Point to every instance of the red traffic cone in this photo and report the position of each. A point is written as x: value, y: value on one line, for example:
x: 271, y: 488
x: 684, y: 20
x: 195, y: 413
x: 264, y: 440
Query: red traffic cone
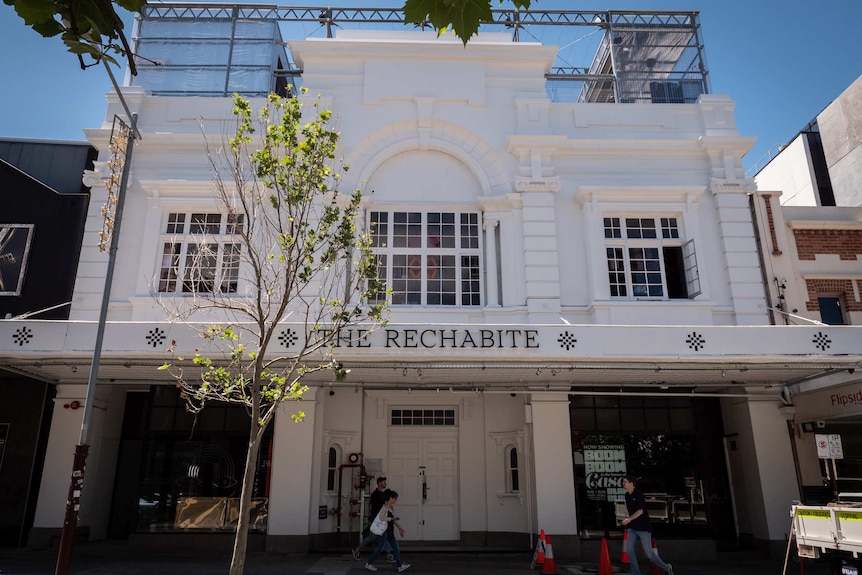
x: 539, y: 553
x: 625, y: 556
x: 605, y: 566
x: 549, y: 567
x: 653, y: 568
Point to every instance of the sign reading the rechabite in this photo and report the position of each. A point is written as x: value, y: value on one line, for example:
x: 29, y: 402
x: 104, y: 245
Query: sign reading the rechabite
x: 438, y: 338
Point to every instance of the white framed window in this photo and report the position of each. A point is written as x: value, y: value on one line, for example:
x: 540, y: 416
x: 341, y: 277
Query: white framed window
x: 333, y: 461
x: 200, y: 253
x: 647, y: 258
x: 513, y: 480
x: 428, y: 258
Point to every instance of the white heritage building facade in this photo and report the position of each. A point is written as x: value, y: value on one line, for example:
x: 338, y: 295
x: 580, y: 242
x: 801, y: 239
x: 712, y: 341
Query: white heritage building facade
x: 577, y: 295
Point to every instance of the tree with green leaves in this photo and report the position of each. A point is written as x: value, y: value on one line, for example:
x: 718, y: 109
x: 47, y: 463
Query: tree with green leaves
x: 300, y: 257
x: 92, y: 28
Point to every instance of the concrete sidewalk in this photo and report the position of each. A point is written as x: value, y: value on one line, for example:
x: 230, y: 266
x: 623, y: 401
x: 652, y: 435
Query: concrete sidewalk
x: 117, y: 558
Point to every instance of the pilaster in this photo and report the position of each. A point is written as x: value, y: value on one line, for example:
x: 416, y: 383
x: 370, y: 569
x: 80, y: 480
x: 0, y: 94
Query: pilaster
x: 541, y: 249
x: 742, y: 263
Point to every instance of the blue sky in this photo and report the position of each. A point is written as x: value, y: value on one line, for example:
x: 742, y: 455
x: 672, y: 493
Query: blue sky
x: 782, y: 61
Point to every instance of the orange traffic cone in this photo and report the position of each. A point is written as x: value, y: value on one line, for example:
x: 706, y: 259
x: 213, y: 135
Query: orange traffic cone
x: 625, y: 556
x: 549, y: 567
x: 653, y: 568
x: 605, y: 566
x: 539, y: 553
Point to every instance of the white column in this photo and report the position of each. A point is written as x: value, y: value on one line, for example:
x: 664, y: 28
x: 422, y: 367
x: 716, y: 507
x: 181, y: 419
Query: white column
x: 59, y: 454
x: 552, y: 460
x: 291, y: 480
x: 491, y: 288
x: 760, y: 459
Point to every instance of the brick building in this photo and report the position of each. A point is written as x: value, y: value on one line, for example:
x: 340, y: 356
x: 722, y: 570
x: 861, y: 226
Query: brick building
x: 811, y: 237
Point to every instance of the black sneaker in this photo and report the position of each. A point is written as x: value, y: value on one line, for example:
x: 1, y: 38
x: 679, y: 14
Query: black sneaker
x: 355, y: 552
x: 669, y: 569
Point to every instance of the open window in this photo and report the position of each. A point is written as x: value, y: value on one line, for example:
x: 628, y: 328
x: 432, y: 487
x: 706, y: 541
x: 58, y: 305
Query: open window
x: 648, y: 259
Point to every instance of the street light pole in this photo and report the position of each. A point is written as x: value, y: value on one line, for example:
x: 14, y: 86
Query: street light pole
x: 122, y: 144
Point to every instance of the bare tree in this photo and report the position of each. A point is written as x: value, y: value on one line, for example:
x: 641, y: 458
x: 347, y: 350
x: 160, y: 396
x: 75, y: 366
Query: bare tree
x: 293, y: 251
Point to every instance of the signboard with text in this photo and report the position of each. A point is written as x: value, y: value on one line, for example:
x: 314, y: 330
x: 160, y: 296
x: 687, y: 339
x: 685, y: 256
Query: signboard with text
x: 829, y: 446
x: 605, y: 467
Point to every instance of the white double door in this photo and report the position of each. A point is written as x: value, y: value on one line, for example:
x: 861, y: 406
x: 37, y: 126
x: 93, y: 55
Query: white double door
x: 423, y: 470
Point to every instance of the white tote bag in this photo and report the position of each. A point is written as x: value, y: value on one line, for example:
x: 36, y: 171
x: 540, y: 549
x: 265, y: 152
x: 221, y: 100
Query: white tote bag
x: 378, y: 526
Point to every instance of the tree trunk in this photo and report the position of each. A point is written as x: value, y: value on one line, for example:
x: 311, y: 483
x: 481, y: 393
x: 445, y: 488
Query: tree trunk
x: 237, y: 563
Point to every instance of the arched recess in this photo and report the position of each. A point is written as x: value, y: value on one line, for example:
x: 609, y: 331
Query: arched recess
x: 473, y: 152
x: 416, y: 177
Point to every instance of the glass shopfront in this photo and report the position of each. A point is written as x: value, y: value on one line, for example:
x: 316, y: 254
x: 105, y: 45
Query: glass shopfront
x: 673, y: 445
x: 181, y: 472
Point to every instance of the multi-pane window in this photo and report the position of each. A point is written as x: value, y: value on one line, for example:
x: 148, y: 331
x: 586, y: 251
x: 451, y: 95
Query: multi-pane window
x: 647, y: 259
x: 332, y: 463
x: 428, y: 258
x: 513, y: 484
x: 200, y: 253
x: 423, y: 417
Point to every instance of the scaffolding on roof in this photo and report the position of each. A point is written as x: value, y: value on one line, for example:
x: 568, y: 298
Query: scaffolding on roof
x: 202, y: 49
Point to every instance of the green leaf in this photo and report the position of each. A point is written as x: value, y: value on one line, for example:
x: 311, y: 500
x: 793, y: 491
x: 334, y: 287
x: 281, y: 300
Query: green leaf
x: 132, y: 5
x: 463, y: 16
x: 48, y: 28
x: 34, y: 11
x: 164, y: 367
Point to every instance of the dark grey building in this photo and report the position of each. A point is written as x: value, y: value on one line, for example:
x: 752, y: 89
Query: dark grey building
x: 44, y: 207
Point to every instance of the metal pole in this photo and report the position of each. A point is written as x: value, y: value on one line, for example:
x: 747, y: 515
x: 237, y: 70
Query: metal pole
x: 76, y: 484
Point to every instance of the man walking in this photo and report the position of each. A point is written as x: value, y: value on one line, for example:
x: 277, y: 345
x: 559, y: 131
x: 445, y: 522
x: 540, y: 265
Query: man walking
x: 639, y: 527
x: 375, y: 502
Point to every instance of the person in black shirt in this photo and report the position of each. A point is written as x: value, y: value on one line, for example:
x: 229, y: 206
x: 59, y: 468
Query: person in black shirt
x: 638, y: 524
x: 375, y: 502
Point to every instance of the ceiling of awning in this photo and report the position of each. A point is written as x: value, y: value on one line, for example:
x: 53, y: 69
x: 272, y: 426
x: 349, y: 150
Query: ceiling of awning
x: 666, y: 377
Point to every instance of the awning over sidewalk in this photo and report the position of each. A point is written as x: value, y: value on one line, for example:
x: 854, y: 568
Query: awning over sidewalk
x: 466, y: 357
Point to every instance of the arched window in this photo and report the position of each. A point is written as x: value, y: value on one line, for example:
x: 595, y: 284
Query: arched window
x: 512, y: 479
x: 332, y: 463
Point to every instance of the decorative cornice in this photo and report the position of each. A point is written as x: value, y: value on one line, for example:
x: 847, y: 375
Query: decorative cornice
x: 684, y: 195
x: 722, y: 186
x: 342, y: 438
x: 490, y: 223
x: 96, y: 176
x: 523, y: 184
x: 499, y: 203
x: 823, y: 225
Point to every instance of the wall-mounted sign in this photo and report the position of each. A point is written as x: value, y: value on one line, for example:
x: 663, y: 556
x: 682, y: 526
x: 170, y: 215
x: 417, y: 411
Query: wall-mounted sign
x: 837, y: 401
x: 829, y: 446
x: 15, y: 242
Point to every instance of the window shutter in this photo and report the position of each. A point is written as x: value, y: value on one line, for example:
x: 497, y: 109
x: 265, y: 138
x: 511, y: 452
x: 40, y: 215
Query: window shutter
x: 692, y: 276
